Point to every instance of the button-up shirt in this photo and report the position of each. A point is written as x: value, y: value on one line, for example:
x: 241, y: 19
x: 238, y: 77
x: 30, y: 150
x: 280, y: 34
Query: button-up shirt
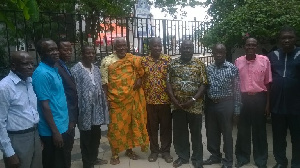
x: 154, y: 80
x: 285, y: 92
x: 224, y: 82
x: 185, y: 79
x: 18, y: 109
x: 47, y: 85
x: 254, y: 74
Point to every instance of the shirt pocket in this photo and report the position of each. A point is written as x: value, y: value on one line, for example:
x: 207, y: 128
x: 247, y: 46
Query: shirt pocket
x: 259, y: 74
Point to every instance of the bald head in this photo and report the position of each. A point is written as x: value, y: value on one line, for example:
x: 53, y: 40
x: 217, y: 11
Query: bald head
x: 155, y: 47
x: 219, y: 54
x: 250, y: 48
x: 187, y: 50
x: 219, y: 46
x: 22, y: 64
x: 120, y: 46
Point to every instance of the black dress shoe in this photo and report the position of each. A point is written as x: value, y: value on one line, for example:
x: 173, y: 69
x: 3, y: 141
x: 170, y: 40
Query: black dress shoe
x: 240, y: 164
x: 279, y: 166
x: 197, y: 165
x: 211, y: 161
x: 223, y: 166
x: 179, y: 162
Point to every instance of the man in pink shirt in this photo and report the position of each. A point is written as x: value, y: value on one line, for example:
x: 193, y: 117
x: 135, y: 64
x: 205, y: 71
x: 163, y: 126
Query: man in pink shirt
x: 255, y: 76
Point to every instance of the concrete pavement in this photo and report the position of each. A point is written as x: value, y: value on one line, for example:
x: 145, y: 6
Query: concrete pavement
x: 105, y: 153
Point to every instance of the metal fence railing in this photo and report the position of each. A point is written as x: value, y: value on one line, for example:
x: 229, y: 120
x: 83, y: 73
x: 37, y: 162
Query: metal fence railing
x: 77, y: 28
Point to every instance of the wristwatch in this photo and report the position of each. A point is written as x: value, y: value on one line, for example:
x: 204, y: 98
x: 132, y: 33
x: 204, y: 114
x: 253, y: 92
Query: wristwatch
x: 193, y: 99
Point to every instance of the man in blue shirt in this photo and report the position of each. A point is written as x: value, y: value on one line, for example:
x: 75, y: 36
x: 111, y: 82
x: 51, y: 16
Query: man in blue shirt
x: 285, y: 98
x: 52, y: 105
x: 19, y: 138
x: 223, y: 105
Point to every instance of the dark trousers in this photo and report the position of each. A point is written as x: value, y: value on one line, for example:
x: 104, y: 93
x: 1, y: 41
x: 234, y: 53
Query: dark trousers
x: 53, y: 157
x: 89, y: 144
x: 280, y: 124
x: 159, y: 118
x: 252, y: 117
x: 68, y: 146
x: 219, y: 118
x: 182, y: 122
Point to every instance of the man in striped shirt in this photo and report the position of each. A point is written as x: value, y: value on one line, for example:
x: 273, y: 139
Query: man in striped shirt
x: 223, y: 103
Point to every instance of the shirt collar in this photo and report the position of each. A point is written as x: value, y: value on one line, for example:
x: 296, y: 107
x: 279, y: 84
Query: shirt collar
x: 62, y: 62
x: 17, y: 79
x: 161, y: 57
x: 47, y: 66
x: 225, y: 64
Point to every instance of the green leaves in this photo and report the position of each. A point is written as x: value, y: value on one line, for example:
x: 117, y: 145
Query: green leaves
x: 260, y: 19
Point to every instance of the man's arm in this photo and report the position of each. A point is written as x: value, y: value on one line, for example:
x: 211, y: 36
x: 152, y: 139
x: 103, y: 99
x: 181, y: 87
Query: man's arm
x: 5, y: 144
x: 199, y: 94
x: 172, y: 97
x: 57, y: 138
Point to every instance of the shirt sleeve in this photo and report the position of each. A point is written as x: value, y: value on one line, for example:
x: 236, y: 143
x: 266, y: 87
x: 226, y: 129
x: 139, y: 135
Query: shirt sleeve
x: 169, y: 71
x: 41, y: 86
x: 5, y: 144
x: 203, y: 77
x: 268, y: 74
x: 104, y: 71
x: 237, y: 92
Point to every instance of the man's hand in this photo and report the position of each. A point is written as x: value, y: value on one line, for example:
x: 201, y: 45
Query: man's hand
x: 137, y: 84
x: 177, y: 104
x: 71, y: 127
x: 188, y: 104
x: 58, y: 140
x: 236, y: 119
x: 267, y: 110
x: 13, y: 161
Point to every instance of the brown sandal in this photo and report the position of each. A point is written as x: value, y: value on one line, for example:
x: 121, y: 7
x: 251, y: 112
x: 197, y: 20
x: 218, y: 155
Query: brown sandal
x: 114, y: 160
x: 131, y: 155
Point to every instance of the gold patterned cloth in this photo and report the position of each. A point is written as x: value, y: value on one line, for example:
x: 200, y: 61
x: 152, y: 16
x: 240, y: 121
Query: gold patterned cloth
x: 185, y: 79
x: 154, y: 80
x: 128, y: 117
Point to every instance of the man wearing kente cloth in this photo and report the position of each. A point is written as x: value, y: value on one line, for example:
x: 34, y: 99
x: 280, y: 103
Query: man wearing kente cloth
x: 121, y: 79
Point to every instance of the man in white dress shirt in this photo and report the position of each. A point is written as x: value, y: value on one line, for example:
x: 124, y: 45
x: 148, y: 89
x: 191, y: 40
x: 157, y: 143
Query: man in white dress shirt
x: 19, y: 137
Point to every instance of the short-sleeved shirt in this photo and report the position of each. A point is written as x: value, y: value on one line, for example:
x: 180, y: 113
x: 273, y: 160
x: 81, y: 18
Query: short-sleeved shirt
x: 185, y: 79
x: 105, y: 63
x: 254, y: 74
x: 154, y: 80
x: 47, y: 85
x: 224, y: 81
x: 285, y: 91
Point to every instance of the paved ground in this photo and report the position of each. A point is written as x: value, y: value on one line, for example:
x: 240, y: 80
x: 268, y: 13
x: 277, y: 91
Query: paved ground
x: 105, y: 153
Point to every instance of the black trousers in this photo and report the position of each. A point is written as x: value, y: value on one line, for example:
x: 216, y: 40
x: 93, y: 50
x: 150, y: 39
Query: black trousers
x: 159, y: 118
x: 182, y: 122
x: 219, y: 118
x: 253, y: 118
x: 280, y: 124
x: 89, y: 144
x: 54, y: 157
x: 68, y: 146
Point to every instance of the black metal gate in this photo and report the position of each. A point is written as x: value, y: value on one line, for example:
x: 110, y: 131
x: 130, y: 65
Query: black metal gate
x: 22, y: 34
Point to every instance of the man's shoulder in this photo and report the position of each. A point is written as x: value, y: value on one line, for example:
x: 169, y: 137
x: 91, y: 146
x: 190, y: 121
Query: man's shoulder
x: 6, y: 83
x: 197, y: 61
x: 241, y: 58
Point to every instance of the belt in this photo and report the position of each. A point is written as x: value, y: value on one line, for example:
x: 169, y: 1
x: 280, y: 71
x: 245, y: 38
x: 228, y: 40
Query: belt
x: 219, y: 100
x: 31, y: 129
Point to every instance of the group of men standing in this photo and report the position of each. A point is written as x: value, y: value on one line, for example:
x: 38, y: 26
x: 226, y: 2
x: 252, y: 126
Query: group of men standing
x: 139, y: 96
